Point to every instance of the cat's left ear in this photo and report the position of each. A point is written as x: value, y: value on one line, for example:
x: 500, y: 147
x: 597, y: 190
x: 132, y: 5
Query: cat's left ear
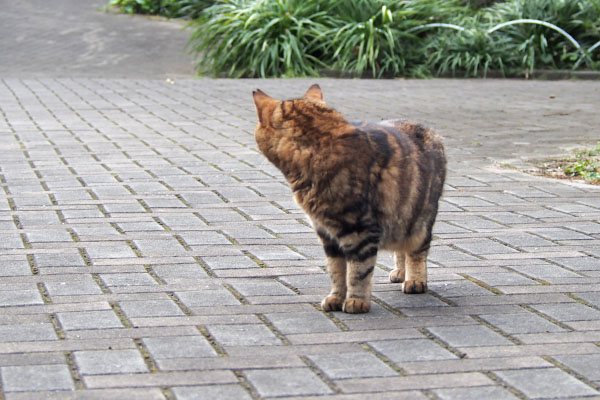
x: 314, y: 93
x: 264, y: 105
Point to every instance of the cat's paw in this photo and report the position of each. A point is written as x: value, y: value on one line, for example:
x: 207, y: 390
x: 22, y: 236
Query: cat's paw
x: 414, y: 287
x: 397, y: 276
x: 332, y: 303
x: 356, y: 306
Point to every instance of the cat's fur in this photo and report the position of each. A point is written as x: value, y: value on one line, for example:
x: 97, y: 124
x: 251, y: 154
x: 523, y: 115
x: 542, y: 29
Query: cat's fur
x: 365, y: 187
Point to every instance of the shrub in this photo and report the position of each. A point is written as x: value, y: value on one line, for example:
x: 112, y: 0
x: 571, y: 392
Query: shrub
x: 262, y: 38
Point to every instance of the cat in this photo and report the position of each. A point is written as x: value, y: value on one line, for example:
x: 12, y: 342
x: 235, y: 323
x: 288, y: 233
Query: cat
x: 364, y: 186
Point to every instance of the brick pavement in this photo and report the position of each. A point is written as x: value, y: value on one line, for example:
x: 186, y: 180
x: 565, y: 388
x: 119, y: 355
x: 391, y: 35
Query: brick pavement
x: 150, y: 252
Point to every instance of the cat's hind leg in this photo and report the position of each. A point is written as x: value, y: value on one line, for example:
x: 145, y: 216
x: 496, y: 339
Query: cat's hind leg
x: 416, y: 273
x: 398, y: 274
x: 336, y: 267
x: 361, y: 253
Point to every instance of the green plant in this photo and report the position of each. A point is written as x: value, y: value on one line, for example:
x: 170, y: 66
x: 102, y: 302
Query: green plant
x: 263, y: 38
x: 585, y: 165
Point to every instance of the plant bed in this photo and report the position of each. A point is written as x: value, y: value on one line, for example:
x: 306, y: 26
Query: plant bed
x: 582, y: 165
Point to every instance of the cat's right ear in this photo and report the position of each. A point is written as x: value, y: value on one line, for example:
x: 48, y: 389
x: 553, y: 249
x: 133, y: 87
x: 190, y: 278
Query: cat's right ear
x: 263, y: 105
x: 314, y: 92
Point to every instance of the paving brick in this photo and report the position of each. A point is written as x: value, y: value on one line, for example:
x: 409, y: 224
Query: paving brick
x: 584, y: 364
x: 287, y: 382
x: 109, y: 362
x: 470, y: 335
x: 20, y: 297
x: 243, y: 335
x: 27, y: 332
x: 307, y: 322
x: 36, y: 378
x: 208, y: 298
x: 568, y: 312
x: 352, y: 365
x: 400, y: 351
x: 179, y: 347
x: 489, y: 392
x: 521, y: 323
x: 546, y: 383
x: 223, y: 392
x: 150, y: 308
x: 89, y: 320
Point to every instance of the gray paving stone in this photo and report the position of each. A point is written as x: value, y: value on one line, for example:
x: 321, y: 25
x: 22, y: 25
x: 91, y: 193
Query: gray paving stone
x: 24, y: 297
x: 27, y: 332
x: 400, y: 351
x: 14, y: 268
x: 109, y: 362
x: 103, y: 319
x: 584, y: 364
x: 287, y: 382
x: 84, y: 285
x: 568, y: 312
x: 208, y: 298
x: 229, y: 262
x: 500, y: 278
x: 352, y: 365
x: 521, y: 323
x: 543, y: 271
x: 129, y: 279
x: 546, y: 383
x: 243, y: 335
x: 179, y: 272
x: 222, y: 392
x: 179, y: 347
x: 302, y: 322
x: 150, y: 308
x: 476, y: 393
x: 33, y: 378
x: 262, y: 288
x: 469, y: 335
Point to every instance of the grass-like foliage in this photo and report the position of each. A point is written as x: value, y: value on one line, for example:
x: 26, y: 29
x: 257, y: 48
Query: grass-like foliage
x: 262, y: 38
x: 385, y: 38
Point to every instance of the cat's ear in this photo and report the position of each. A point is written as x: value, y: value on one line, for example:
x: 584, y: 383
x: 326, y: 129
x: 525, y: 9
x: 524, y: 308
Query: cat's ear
x: 264, y: 105
x: 314, y: 93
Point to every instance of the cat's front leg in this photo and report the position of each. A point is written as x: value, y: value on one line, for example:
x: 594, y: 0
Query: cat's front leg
x: 398, y: 274
x: 358, y: 279
x: 336, y: 267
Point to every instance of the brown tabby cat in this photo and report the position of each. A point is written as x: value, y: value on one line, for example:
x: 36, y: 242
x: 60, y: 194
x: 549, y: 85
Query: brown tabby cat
x: 364, y: 186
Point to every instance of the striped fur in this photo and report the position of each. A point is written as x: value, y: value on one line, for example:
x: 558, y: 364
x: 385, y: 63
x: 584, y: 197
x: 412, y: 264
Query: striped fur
x: 365, y: 187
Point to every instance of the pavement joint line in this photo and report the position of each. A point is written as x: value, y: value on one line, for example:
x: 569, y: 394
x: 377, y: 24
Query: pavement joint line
x: 135, y: 249
x: 145, y: 205
x: 212, y: 341
x: 207, y: 269
x: 182, y: 242
x: 257, y: 260
x: 320, y: 374
x: 505, y: 385
x: 148, y: 360
x: 331, y: 316
x: 180, y: 304
x: 262, y: 318
x: 231, y: 239
x: 482, y: 284
x: 246, y: 385
x: 32, y: 265
x: 441, y: 298
x: 74, y: 371
x: 236, y: 294
x: 387, y: 307
x: 86, y: 258
x: 167, y: 393
x: 150, y: 271
x: 60, y: 333
x: 386, y: 360
x: 582, y: 301
x: 547, y: 317
x: 429, y: 335
x: 523, y: 274
x: 563, y: 367
x: 96, y: 278
x: 496, y: 329
x: 120, y: 314
x: 44, y: 293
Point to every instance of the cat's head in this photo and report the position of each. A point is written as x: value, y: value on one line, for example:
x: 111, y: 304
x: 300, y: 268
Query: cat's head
x: 276, y: 114
x: 289, y: 131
